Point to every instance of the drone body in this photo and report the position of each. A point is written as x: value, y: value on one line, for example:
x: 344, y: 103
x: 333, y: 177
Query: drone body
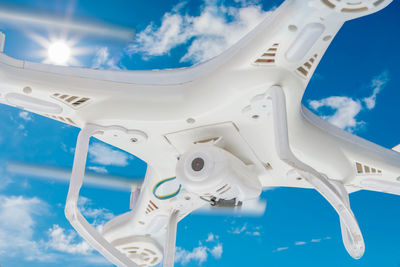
x: 225, y: 129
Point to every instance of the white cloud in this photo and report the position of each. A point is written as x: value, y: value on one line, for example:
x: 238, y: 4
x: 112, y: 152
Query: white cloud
x: 17, y: 227
x: 215, y: 29
x: 103, y: 60
x: 25, y: 115
x: 217, y: 251
x: 98, y: 169
x: 99, y: 216
x: 239, y: 230
x: 66, y: 241
x: 346, y: 109
x: 252, y: 231
x: 101, y: 57
x: 280, y: 249
x: 210, y: 237
x: 69, y: 242
x: 256, y: 233
x: 377, y: 83
x: 19, y: 236
x: 198, y: 254
x: 302, y: 243
x: 104, y: 155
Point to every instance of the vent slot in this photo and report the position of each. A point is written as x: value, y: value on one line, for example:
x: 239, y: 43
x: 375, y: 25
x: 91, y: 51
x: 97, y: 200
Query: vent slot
x: 349, y: 6
x: 148, y: 256
x: 268, y: 57
x: 354, y: 10
x: 365, y: 169
x: 226, y: 190
x: 71, y: 100
x: 377, y: 3
x: 305, y: 69
x: 151, y: 207
x: 328, y: 3
x: 222, y: 188
x: 62, y: 119
x: 149, y: 251
x: 359, y: 168
x: 80, y: 101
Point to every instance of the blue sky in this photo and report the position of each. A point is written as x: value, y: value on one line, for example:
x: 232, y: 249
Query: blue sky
x: 355, y: 87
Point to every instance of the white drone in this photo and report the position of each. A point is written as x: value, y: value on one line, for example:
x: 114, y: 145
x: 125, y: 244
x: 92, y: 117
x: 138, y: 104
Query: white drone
x: 213, y: 134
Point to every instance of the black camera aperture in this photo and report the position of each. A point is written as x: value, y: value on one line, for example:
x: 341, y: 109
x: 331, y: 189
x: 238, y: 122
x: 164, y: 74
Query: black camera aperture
x: 198, y: 164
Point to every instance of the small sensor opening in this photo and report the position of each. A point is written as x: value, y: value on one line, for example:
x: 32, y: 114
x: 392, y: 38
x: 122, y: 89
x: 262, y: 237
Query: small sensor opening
x: 197, y: 164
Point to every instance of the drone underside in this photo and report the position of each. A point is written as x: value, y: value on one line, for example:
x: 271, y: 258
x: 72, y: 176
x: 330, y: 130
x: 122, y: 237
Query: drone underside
x: 214, y: 134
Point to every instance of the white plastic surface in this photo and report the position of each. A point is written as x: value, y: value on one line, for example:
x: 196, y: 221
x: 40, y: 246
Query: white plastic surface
x: 304, y: 41
x: 223, y: 97
x: 143, y: 250
x: 33, y: 104
x: 81, y: 225
x: 352, y: 237
x: 169, y: 251
x: 382, y: 186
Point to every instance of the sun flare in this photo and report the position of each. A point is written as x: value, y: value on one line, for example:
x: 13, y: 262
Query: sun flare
x: 61, y: 50
x: 59, y: 53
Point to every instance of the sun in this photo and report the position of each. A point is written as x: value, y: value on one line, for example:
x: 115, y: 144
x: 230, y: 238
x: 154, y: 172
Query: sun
x: 59, y: 50
x: 59, y: 53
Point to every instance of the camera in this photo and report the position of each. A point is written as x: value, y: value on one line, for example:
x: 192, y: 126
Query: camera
x: 214, y: 173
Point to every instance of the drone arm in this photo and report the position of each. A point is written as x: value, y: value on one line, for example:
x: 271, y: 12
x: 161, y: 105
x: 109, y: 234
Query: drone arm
x: 335, y: 194
x: 81, y: 225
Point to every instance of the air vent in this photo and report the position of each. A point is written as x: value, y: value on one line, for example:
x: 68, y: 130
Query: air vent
x: 223, y: 189
x: 218, y: 194
x: 71, y: 100
x: 151, y: 207
x: 328, y: 3
x: 62, y: 119
x: 364, y: 169
x: 305, y: 69
x: 350, y: 6
x: 147, y: 256
x: 268, y: 57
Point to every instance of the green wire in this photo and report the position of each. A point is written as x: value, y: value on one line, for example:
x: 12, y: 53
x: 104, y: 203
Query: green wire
x: 157, y: 185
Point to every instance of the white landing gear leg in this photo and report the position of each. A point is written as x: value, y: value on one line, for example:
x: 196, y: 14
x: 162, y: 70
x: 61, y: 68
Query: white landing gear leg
x: 335, y: 194
x: 81, y: 225
x: 348, y: 239
x: 169, y: 250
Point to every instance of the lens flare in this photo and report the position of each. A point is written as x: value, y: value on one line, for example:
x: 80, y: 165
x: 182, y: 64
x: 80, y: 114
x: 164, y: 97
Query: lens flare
x: 59, y: 49
x: 59, y: 53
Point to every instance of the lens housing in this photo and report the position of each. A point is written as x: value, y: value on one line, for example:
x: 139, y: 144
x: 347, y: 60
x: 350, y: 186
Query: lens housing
x: 197, y: 164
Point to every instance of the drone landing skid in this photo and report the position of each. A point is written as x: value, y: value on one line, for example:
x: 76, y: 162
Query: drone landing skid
x: 334, y: 192
x: 81, y: 225
x: 169, y: 250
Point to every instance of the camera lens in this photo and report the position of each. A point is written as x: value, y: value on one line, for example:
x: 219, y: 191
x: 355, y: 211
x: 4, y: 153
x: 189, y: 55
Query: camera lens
x: 197, y: 164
